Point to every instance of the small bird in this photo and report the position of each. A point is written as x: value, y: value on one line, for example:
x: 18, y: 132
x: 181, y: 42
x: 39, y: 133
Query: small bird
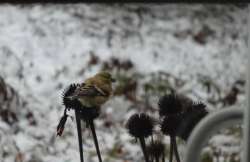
x: 94, y: 91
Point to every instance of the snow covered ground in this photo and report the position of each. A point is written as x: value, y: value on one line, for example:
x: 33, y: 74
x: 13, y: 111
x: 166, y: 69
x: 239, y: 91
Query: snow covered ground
x: 44, y: 48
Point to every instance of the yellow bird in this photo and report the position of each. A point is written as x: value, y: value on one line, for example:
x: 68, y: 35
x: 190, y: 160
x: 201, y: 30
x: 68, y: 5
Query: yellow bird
x: 94, y: 91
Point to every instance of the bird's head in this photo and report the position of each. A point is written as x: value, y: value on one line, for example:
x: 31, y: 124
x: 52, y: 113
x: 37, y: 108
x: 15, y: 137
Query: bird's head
x: 106, y: 76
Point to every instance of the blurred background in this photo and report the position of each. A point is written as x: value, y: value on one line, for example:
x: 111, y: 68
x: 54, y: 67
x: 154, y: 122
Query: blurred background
x: 198, y: 51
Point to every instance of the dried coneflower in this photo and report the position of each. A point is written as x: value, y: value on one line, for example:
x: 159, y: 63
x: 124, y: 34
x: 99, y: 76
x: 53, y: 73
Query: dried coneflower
x: 141, y: 126
x: 169, y: 104
x: 71, y: 104
x: 88, y: 114
x: 171, y: 108
x: 180, y: 115
x: 156, y: 150
x: 68, y: 103
x: 191, y: 118
x: 169, y: 126
x: 81, y: 112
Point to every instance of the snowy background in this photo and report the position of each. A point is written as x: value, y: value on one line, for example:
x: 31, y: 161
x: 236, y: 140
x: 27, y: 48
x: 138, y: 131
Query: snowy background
x: 198, y: 51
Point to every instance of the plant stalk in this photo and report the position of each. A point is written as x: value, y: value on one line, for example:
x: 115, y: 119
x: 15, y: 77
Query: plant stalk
x: 176, y: 151
x: 92, y: 127
x: 171, y: 149
x: 157, y: 159
x: 79, y: 132
x: 143, y: 146
x: 163, y: 156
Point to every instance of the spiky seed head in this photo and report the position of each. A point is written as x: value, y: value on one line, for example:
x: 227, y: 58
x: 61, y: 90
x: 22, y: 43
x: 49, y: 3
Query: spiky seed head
x: 170, y: 124
x: 140, y: 125
x: 85, y: 113
x: 88, y: 114
x: 169, y: 104
x: 68, y: 103
x: 156, y: 149
x: 191, y: 118
x: 199, y: 107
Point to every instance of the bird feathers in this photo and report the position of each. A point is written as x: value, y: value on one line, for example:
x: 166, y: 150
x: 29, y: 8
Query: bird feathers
x: 95, y: 91
x: 88, y: 90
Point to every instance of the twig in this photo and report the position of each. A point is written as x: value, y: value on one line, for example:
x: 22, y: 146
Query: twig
x: 152, y: 138
x: 171, y: 149
x: 79, y: 132
x: 92, y: 127
x: 163, y: 156
x: 157, y: 159
x: 143, y: 146
x: 176, y: 151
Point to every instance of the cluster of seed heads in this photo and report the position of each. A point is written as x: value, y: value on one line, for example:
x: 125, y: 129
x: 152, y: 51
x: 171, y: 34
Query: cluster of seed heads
x: 140, y: 125
x: 178, y: 117
x: 156, y: 149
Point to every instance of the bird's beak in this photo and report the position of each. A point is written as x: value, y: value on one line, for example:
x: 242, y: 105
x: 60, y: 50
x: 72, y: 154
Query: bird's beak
x: 113, y: 80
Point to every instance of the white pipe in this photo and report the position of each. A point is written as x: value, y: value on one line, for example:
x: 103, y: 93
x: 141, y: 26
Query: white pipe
x: 246, y: 143
x: 207, y: 127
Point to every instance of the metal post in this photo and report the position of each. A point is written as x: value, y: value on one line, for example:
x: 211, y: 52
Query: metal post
x: 246, y: 147
x: 226, y: 117
x: 207, y: 126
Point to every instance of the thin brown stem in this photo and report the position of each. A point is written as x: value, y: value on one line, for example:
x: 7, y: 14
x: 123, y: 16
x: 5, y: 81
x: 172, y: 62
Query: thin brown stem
x: 143, y: 146
x: 79, y: 132
x: 163, y: 156
x: 152, y: 138
x: 157, y: 159
x: 151, y: 158
x: 176, y: 150
x: 92, y: 127
x: 171, y: 150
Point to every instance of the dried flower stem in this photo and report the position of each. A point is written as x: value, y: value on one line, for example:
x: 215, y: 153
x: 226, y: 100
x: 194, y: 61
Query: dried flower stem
x: 152, y: 138
x: 79, y: 132
x: 176, y: 151
x: 143, y: 146
x: 163, y: 157
x: 157, y: 159
x: 171, y: 149
x: 151, y: 159
x: 92, y: 127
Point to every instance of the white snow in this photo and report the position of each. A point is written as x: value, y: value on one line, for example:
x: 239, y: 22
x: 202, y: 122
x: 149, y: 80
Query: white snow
x: 50, y: 45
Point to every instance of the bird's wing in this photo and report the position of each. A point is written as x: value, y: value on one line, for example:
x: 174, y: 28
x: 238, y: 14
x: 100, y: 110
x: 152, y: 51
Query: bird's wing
x: 89, y: 90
